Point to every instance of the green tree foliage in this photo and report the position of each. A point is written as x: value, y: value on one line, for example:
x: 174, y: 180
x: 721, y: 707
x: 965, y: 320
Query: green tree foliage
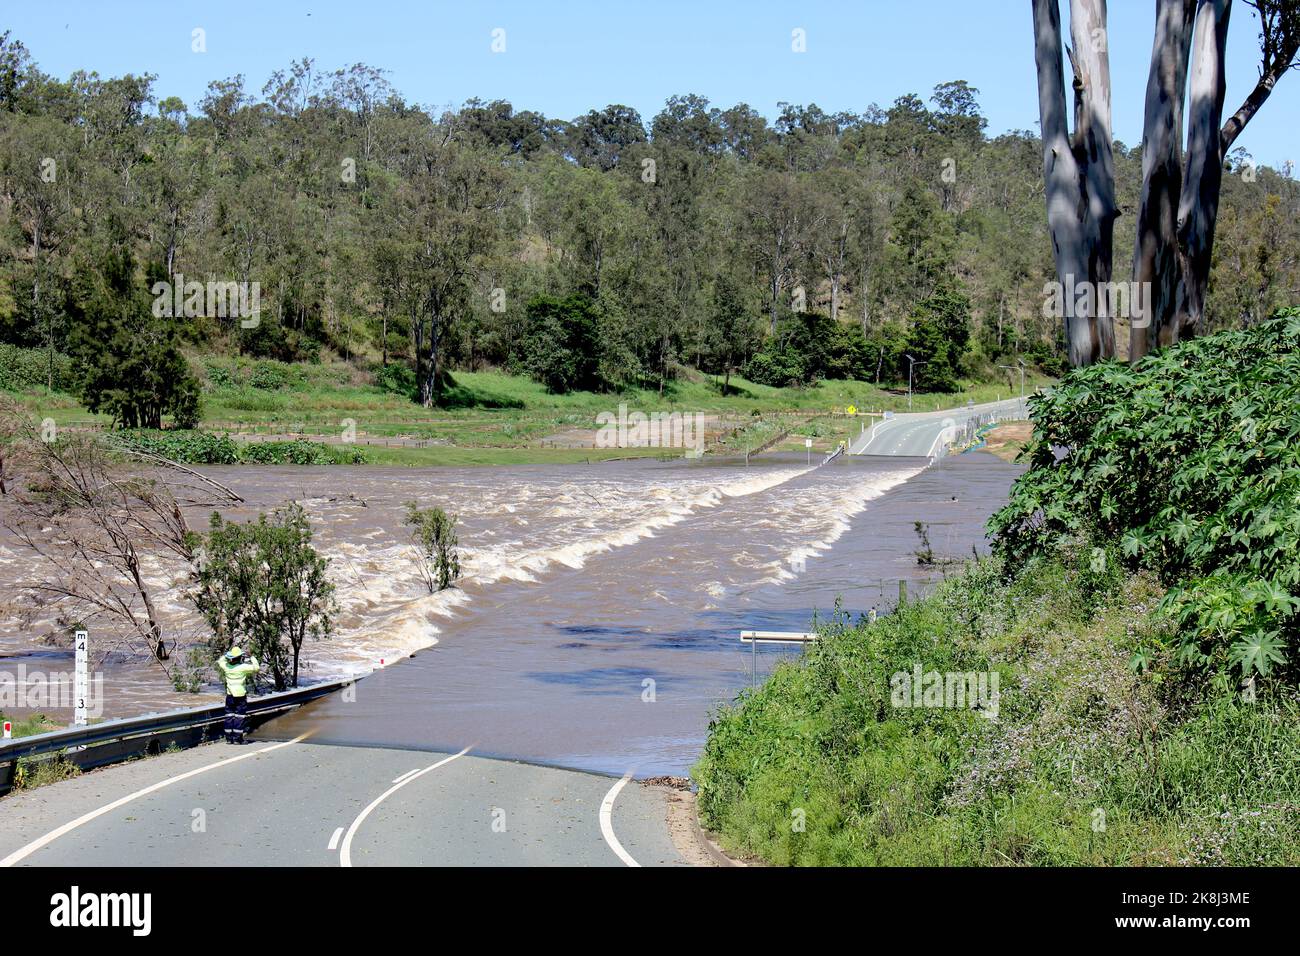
x: 410, y: 242
x: 1188, y: 465
x: 263, y: 585
x: 938, y: 336
x: 433, y: 532
x: 561, y: 343
x: 809, y: 347
x: 132, y: 366
x: 731, y: 334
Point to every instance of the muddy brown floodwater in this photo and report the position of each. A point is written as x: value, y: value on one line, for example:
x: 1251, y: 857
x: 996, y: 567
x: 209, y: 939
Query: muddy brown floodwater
x: 597, y: 622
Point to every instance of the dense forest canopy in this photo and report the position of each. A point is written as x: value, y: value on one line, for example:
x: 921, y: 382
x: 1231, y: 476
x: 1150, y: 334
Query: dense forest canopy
x: 596, y: 252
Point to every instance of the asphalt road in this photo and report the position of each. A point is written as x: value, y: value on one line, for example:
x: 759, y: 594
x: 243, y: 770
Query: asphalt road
x: 301, y: 804
x: 921, y: 434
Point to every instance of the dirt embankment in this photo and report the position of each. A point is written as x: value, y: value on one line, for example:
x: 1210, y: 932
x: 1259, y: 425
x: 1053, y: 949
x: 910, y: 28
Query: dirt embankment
x: 1008, y: 438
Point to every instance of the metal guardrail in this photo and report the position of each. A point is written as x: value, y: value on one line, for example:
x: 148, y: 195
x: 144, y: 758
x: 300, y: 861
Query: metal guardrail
x: 97, y: 745
x: 961, y: 436
x: 754, y: 638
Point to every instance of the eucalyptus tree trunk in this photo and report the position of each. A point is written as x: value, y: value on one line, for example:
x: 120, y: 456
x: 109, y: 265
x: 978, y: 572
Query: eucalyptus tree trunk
x: 1198, y: 205
x: 1156, y: 264
x: 1180, y: 196
x: 1078, y: 169
x: 1179, y: 201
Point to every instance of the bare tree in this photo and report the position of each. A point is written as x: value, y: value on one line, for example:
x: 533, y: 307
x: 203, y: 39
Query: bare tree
x: 93, y: 522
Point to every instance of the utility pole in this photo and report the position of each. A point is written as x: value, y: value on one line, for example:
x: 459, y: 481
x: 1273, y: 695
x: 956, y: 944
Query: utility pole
x: 911, y: 364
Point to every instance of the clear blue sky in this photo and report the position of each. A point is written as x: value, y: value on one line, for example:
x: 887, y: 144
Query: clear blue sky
x: 564, y: 57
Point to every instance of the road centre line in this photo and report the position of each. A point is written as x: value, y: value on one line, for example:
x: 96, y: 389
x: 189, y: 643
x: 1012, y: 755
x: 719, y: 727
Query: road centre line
x: 345, y: 850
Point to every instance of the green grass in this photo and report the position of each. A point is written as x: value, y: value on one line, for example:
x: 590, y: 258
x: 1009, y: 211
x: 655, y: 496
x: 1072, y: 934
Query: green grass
x: 504, y: 400
x: 32, y: 772
x: 1088, y: 763
x: 494, y: 418
x: 35, y: 724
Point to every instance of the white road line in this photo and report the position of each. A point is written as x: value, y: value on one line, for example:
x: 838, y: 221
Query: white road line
x: 334, y: 840
x: 934, y: 445
x: 19, y: 855
x: 345, y: 851
x: 607, y: 823
x: 405, y: 775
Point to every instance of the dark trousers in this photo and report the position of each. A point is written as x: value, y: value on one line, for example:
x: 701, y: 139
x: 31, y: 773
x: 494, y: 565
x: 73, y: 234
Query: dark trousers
x: 236, y: 708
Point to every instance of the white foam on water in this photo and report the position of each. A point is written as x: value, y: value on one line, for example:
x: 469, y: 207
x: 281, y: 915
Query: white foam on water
x: 833, y: 518
x: 525, y: 529
x: 662, y: 507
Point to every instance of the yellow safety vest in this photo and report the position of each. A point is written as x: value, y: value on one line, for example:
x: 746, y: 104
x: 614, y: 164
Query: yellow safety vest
x: 237, y: 674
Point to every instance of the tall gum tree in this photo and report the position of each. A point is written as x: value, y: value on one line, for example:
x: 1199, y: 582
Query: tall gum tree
x: 1174, y: 232
x: 1078, y: 168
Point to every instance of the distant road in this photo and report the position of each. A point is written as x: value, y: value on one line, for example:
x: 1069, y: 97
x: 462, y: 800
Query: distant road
x: 301, y: 804
x: 920, y: 434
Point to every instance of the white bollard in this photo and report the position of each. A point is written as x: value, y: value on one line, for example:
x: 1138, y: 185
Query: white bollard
x: 9, y: 730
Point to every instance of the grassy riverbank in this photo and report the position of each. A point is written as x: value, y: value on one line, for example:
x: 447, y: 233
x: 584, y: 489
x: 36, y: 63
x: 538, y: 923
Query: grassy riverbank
x: 1140, y: 619
x: 494, y: 418
x: 1087, y: 763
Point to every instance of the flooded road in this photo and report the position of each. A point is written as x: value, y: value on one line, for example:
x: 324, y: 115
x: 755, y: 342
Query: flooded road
x: 615, y: 659
x: 596, y: 624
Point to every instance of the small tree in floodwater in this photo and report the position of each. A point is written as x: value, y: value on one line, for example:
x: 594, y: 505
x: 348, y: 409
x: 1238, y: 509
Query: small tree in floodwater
x: 262, y: 585
x: 925, y: 554
x: 433, y: 532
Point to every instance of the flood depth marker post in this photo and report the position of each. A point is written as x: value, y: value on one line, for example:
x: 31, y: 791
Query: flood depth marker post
x: 81, y: 680
x: 754, y: 638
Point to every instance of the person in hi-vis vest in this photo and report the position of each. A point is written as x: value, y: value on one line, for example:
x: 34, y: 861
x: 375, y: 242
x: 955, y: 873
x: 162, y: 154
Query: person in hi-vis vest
x: 236, y: 668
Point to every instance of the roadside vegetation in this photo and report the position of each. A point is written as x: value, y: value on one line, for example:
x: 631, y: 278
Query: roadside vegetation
x: 33, y: 772
x: 1140, y: 614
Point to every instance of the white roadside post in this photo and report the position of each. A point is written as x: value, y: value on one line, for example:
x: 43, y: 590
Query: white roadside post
x: 754, y: 638
x: 9, y: 730
x: 81, y: 685
x: 807, y: 444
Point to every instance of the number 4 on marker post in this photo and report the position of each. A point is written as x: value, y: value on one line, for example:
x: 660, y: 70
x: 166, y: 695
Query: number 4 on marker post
x: 81, y: 684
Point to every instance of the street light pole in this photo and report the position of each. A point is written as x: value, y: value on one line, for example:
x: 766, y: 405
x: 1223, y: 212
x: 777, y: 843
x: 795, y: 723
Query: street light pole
x: 911, y: 364
x: 1020, y: 367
